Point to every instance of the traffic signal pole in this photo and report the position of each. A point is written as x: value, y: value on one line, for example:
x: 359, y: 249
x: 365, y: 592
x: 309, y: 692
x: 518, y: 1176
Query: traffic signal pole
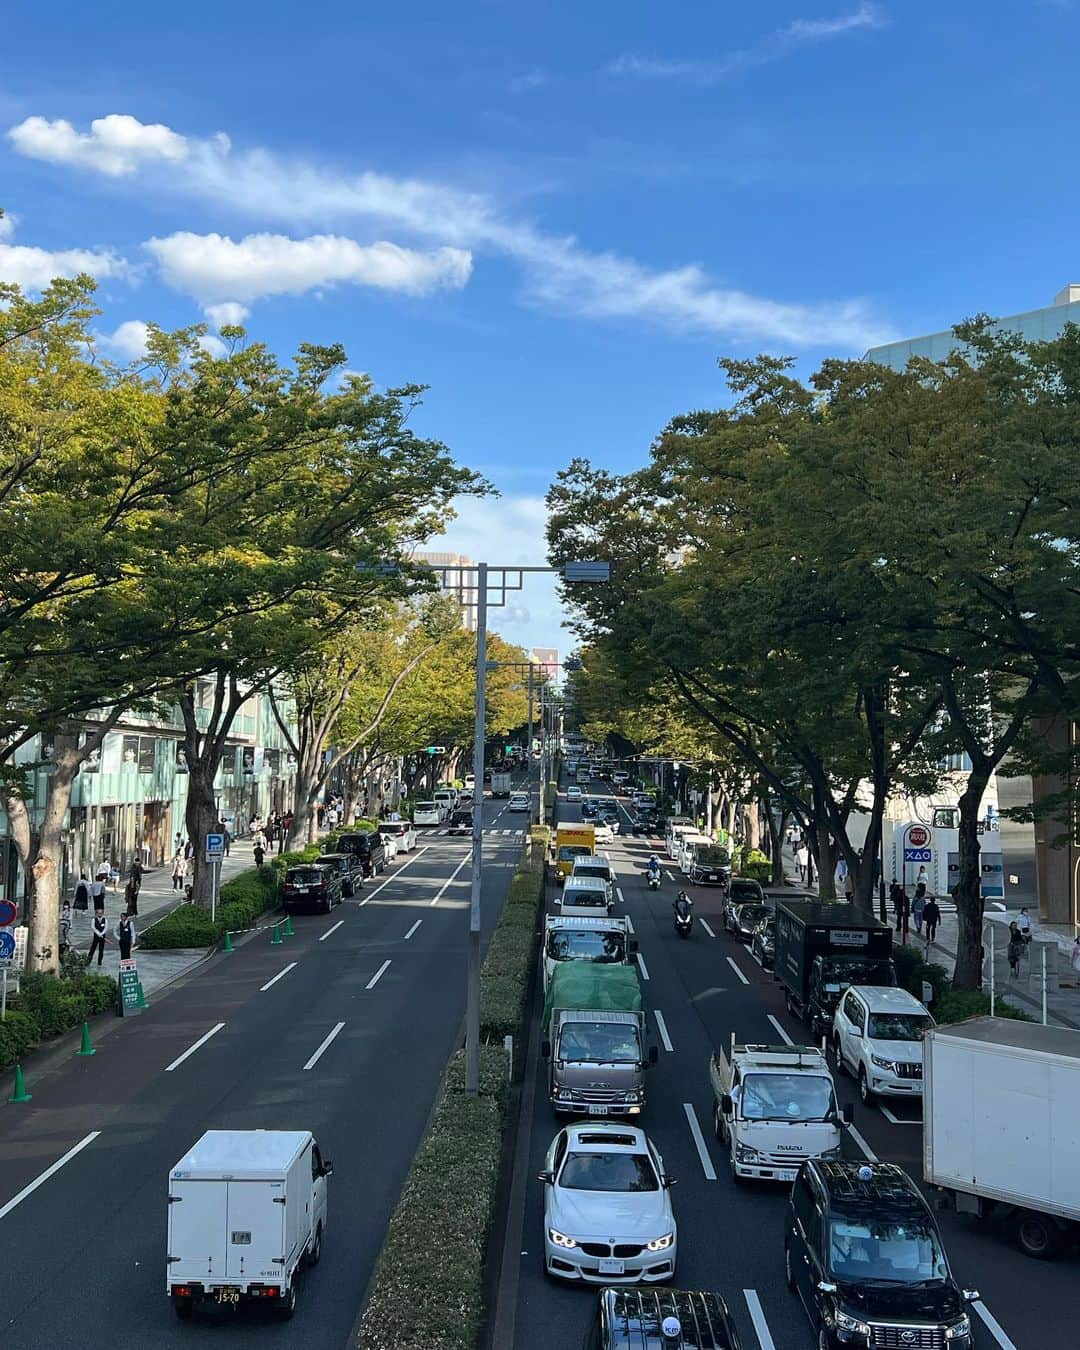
x: 472, y: 993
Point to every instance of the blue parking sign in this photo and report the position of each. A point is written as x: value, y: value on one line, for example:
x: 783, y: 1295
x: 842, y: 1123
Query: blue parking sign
x: 215, y: 847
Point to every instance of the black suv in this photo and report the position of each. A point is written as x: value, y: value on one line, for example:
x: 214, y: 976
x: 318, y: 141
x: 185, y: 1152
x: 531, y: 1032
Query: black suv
x: 348, y: 867
x: 309, y: 886
x: 862, y: 1250
x: 661, y: 1319
x: 368, y: 847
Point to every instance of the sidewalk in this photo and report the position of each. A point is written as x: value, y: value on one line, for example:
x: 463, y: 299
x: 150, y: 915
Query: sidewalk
x: 1023, y: 991
x: 156, y: 899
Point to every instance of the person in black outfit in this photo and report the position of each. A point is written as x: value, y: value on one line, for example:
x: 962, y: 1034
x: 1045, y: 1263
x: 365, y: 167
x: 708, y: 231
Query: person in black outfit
x: 259, y: 853
x: 125, y: 936
x: 101, y: 929
x: 931, y: 916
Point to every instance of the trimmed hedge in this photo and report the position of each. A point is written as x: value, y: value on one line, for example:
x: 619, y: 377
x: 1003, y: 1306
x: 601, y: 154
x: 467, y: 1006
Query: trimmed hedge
x: 242, y: 901
x: 427, y: 1291
x: 504, y: 978
x: 47, y: 1006
x: 950, y: 1005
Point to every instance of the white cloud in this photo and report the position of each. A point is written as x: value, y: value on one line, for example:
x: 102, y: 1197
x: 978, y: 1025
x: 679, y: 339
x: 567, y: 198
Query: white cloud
x: 558, y: 270
x: 214, y: 345
x: 33, y: 268
x: 773, y: 47
x: 529, y: 81
x: 115, y: 145
x: 226, y: 314
x: 7, y: 226
x: 128, y: 342
x: 213, y: 267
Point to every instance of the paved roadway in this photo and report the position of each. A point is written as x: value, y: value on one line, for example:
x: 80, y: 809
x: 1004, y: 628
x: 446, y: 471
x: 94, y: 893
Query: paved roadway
x: 83, y: 1254
x: 731, y: 1236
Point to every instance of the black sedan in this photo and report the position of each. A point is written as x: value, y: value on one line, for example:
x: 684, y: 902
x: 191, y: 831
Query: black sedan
x: 368, y: 847
x: 746, y: 918
x: 348, y: 867
x: 461, y: 822
x: 311, y: 887
x: 763, y: 943
x: 741, y: 891
x: 589, y: 807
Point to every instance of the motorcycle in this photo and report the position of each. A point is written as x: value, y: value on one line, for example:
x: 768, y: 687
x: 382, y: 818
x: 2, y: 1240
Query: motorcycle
x: 684, y: 914
x: 654, y: 879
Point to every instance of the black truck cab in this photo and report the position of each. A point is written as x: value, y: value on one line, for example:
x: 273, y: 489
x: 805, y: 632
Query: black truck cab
x: 822, y: 948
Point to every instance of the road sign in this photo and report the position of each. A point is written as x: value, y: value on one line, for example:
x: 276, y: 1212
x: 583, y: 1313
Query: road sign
x: 7, y: 947
x: 917, y: 836
x: 129, y: 988
x: 215, y: 847
x: 8, y: 913
x: 917, y: 855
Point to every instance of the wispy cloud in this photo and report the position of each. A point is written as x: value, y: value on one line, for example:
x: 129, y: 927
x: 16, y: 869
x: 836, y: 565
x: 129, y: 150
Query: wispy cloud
x: 774, y: 46
x: 557, y: 269
x: 529, y: 81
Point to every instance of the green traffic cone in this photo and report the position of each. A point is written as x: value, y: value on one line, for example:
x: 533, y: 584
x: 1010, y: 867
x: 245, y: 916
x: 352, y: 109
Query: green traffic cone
x: 142, y: 1003
x: 86, y: 1048
x: 275, y: 936
x: 289, y: 930
x: 20, y: 1094
x: 227, y: 946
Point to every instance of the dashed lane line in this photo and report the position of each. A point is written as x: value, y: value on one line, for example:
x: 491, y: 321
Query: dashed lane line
x: 418, y: 854
x: 780, y: 1030
x: 450, y: 879
x: 868, y: 1152
x: 705, y: 925
x: 618, y: 892
x: 757, y: 1316
x: 630, y: 925
x: 989, y: 1320
x: 377, y: 976
x: 413, y: 929
x: 642, y: 966
x: 699, y: 1142
x: 662, y: 1028
x: 280, y: 975
x: 895, y: 1120
x: 49, y: 1171
x: 192, y: 1048
x: 325, y: 1045
x: 331, y: 930
x: 734, y: 966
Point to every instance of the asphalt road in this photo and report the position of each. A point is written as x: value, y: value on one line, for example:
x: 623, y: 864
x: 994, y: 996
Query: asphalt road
x: 731, y: 1236
x: 83, y: 1254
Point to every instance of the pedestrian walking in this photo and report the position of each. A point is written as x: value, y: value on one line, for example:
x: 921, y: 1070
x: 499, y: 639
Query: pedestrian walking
x: 97, y: 892
x: 260, y: 854
x: 931, y: 918
x: 894, y: 893
x: 1023, y: 922
x: 287, y: 823
x: 179, y: 871
x: 802, y: 856
x: 136, y: 873
x: 82, y: 892
x: 125, y: 936
x: 131, y: 897
x: 1016, y: 949
x: 100, y: 931
x: 65, y: 927
x: 903, y: 915
x: 918, y: 907
x: 189, y: 851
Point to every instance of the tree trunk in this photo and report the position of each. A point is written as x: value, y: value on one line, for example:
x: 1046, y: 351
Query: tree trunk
x: 776, y: 845
x: 968, y: 893
x: 753, y: 826
x: 201, y: 819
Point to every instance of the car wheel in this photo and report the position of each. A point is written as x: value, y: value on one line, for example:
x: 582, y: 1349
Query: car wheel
x: 865, y: 1095
x: 789, y: 1274
x: 287, y: 1305
x: 1037, y: 1236
x: 315, y: 1255
x: 838, y: 1057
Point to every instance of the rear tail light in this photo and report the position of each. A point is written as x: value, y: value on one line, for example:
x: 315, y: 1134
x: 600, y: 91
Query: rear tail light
x: 181, y: 1290
x: 264, y: 1291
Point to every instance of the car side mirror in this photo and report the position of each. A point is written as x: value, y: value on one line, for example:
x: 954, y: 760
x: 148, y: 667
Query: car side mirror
x: 726, y: 1104
x: 847, y: 1113
x: 548, y: 1178
x: 327, y: 1168
x: 654, y: 1055
x: 669, y: 1182
x: 826, y: 1287
x: 545, y: 1049
x: 971, y: 1295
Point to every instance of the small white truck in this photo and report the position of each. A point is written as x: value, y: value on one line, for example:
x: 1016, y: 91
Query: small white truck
x: 1001, y: 1101
x: 246, y: 1208
x: 774, y: 1107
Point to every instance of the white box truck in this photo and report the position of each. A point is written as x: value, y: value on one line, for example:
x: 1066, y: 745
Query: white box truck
x: 501, y: 782
x: 1001, y: 1124
x: 246, y: 1207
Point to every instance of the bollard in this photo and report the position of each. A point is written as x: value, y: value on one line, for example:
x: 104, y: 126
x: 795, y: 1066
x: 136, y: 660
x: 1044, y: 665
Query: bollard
x: 275, y: 936
x: 86, y: 1048
x: 227, y: 945
x: 20, y: 1094
x: 289, y: 930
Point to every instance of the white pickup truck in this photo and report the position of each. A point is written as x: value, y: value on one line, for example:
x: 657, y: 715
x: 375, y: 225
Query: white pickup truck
x: 246, y: 1208
x: 775, y: 1106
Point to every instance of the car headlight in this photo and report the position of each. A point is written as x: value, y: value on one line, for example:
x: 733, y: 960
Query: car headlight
x: 959, y: 1330
x: 744, y: 1153
x: 560, y: 1239
x: 565, y: 1094
x: 883, y: 1063
x: 846, y: 1323
x: 633, y: 1096
x: 661, y: 1244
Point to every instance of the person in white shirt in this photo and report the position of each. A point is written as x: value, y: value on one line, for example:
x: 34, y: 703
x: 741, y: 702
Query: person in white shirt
x: 101, y: 932
x: 1023, y: 922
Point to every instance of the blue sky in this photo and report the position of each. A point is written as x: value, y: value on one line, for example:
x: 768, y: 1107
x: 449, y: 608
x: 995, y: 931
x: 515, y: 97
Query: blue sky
x: 557, y: 215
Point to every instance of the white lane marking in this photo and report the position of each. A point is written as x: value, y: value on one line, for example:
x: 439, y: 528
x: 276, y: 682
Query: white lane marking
x: 618, y: 892
x: 992, y: 1324
x: 450, y: 879
x: 263, y: 988
x: 630, y: 925
x: 418, y: 854
x: 757, y: 1316
x: 49, y: 1171
x: 192, y: 1048
x: 780, y: 1030
x: 754, y: 957
x: 377, y: 976
x: 699, y: 1142
x: 662, y: 1026
x: 643, y: 967
x: 735, y: 968
x: 706, y: 926
x: 668, y: 875
x: 868, y: 1152
x: 318, y: 1053
x: 413, y: 929
x: 331, y: 930
x: 895, y: 1120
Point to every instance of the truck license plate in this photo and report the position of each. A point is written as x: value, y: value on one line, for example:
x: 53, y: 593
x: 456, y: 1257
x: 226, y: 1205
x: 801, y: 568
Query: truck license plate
x: 597, y: 1110
x: 228, y: 1294
x: 612, y: 1267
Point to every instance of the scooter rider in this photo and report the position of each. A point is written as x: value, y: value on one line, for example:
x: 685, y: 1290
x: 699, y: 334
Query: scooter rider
x: 653, y: 873
x: 684, y: 914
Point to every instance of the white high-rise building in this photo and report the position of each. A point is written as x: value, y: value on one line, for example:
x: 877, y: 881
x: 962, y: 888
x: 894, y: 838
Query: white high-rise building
x: 456, y: 581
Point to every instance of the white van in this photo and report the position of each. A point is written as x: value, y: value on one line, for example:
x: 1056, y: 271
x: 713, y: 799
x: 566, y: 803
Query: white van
x: 446, y: 799
x: 676, y: 832
x: 245, y: 1208
x: 687, y: 844
x: 427, y: 813
x: 585, y: 897
x: 596, y: 865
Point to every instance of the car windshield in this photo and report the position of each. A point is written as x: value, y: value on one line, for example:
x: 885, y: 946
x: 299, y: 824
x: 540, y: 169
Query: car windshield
x: 840, y: 973
x: 594, y: 945
x: 427, y: 806
x: 752, y: 914
x: 600, y: 870
x: 898, y: 1026
x: 609, y: 1172
x: 900, y: 1253
x: 741, y: 890
x: 568, y: 852
x: 303, y: 876
x: 711, y: 854
x: 599, y: 1043
x: 584, y: 898
x: 338, y: 864
x: 784, y: 1096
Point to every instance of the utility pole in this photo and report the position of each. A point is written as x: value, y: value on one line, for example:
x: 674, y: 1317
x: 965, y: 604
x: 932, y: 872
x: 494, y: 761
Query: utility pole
x: 472, y: 996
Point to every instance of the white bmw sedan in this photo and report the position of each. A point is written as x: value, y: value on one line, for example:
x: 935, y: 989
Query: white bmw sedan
x: 607, y: 1207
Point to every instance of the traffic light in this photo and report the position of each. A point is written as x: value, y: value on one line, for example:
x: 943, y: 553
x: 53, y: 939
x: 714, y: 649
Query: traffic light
x: 435, y: 750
